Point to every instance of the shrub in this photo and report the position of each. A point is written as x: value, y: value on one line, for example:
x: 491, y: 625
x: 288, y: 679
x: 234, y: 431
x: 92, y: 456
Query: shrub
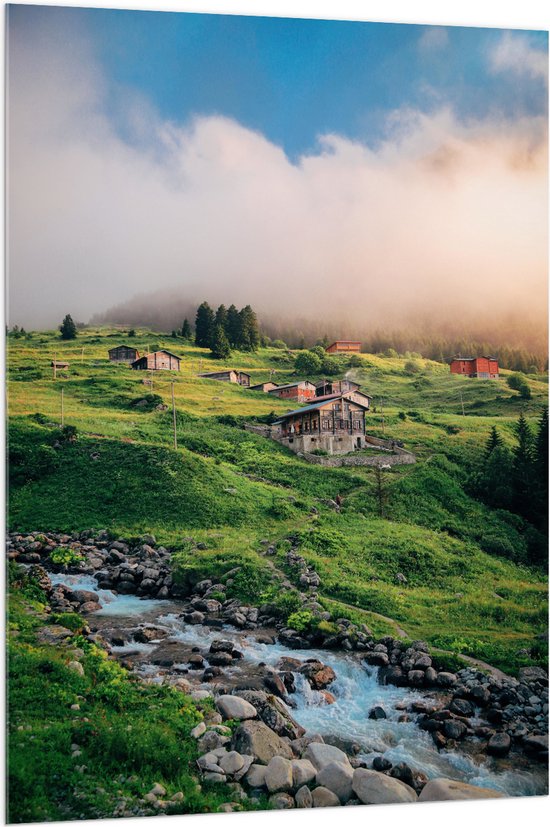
x: 517, y: 382
x: 307, y: 362
x: 279, y: 344
x: 65, y: 557
x: 301, y: 621
x: 411, y: 367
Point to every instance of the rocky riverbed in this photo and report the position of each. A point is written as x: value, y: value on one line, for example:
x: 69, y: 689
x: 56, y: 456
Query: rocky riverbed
x: 315, y: 720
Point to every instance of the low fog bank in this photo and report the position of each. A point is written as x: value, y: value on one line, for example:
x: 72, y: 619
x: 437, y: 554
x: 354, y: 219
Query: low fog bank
x: 165, y: 310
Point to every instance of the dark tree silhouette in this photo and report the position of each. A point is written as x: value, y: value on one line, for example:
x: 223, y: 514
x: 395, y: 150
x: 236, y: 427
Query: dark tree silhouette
x: 204, y: 325
x: 67, y: 328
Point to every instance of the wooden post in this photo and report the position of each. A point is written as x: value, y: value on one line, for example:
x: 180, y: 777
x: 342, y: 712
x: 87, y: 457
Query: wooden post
x: 54, y: 366
x: 62, y: 410
x: 174, y: 419
x: 382, y: 413
x: 81, y: 355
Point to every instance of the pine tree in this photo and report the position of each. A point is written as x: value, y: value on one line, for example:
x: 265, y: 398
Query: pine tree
x: 204, y: 325
x: 68, y: 328
x: 494, y: 441
x: 186, y: 329
x: 221, y: 317
x: 220, y: 346
x: 249, y: 334
x: 523, y: 469
x: 541, y: 471
x: 233, y: 326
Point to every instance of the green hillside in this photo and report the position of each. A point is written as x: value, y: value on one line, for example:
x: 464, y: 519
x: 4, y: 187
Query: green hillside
x: 470, y: 581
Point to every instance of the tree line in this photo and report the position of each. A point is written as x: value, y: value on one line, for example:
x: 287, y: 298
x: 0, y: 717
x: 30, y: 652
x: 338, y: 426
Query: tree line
x: 224, y: 330
x: 516, y: 479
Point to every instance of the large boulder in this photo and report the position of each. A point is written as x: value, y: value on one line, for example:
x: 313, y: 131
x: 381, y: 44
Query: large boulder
x: 231, y: 706
x: 337, y: 777
x: 321, y: 755
x: 499, y: 744
x: 303, y: 797
x: 256, y: 739
x: 444, y: 789
x: 278, y: 775
x: 303, y: 772
x: 372, y: 787
x: 322, y: 797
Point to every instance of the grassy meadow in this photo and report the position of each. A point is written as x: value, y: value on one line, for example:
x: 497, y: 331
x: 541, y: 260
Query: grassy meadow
x: 468, y: 586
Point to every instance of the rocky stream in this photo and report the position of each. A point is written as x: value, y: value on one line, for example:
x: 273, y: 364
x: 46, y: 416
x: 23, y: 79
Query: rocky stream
x: 318, y: 720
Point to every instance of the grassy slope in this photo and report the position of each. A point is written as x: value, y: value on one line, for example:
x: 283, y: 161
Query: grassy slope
x: 231, y: 488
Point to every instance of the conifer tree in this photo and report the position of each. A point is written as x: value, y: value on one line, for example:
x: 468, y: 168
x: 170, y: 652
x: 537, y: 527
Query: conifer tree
x: 233, y: 326
x: 186, y: 329
x: 494, y: 441
x: 221, y: 317
x: 220, y: 346
x: 67, y: 328
x: 541, y: 471
x: 523, y: 468
x: 204, y: 325
x: 249, y: 336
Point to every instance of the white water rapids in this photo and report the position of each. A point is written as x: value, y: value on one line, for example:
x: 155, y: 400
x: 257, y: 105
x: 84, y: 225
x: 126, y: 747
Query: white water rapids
x: 356, y: 690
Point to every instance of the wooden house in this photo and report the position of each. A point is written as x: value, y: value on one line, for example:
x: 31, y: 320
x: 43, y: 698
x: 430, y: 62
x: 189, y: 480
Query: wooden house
x: 264, y: 386
x: 335, y: 424
x: 330, y: 386
x: 476, y: 367
x: 159, y: 360
x: 302, y: 391
x: 238, y: 377
x: 122, y: 353
x: 344, y: 346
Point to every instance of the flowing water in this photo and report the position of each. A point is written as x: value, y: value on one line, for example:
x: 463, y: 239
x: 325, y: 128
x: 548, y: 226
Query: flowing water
x: 356, y: 691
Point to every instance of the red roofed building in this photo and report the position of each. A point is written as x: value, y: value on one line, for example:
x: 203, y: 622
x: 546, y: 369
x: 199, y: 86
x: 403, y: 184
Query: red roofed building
x: 476, y: 367
x: 344, y: 346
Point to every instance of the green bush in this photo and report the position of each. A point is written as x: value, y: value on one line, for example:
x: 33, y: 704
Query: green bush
x: 65, y: 557
x: 301, y: 621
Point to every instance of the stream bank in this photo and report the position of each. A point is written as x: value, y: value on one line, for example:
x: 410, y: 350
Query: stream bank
x: 376, y: 702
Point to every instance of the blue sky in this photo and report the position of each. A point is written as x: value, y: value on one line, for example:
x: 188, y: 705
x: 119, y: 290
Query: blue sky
x: 182, y: 152
x: 295, y: 79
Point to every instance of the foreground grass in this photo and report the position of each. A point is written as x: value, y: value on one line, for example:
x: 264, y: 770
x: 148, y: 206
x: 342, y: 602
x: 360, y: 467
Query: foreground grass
x: 129, y: 735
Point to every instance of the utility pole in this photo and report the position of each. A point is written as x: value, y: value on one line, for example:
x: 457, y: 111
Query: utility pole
x: 54, y: 366
x: 174, y: 419
x: 62, y: 410
x: 81, y: 355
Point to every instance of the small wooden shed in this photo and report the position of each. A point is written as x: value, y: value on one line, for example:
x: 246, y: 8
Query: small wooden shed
x: 123, y: 353
x: 159, y: 360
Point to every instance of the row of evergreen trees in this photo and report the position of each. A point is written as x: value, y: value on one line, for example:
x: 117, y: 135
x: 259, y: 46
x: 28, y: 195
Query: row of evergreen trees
x: 226, y: 329
x: 517, y: 479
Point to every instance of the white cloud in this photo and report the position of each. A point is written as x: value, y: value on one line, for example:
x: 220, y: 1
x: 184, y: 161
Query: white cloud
x: 514, y: 53
x: 443, y: 218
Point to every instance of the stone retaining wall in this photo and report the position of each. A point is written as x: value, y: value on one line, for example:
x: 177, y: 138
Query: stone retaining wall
x: 401, y: 458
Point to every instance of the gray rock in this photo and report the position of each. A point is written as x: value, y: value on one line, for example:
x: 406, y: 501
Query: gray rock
x: 338, y: 778
x: 446, y: 679
x: 211, y: 740
x: 231, y: 706
x: 443, y: 789
x: 76, y: 666
x: 321, y: 755
x: 374, y: 788
x: 255, y: 738
x: 304, y: 799
x: 232, y: 762
x: 278, y: 775
x: 255, y: 777
x: 199, y: 730
x: 303, y: 772
x: 499, y: 744
x: 214, y: 776
x: 282, y: 801
x: 322, y: 797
